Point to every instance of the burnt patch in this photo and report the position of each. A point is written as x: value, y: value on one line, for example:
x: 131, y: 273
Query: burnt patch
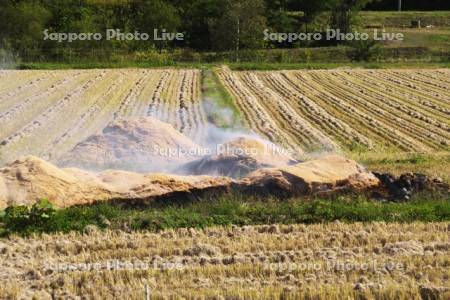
x: 402, y: 188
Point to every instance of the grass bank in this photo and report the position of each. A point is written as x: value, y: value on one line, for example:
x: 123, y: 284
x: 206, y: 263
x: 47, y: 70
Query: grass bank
x: 411, y: 54
x: 328, y: 66
x: 227, y: 210
x: 269, y: 66
x: 104, y: 65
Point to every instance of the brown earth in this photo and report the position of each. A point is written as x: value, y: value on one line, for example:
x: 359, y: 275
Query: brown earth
x: 27, y: 180
x: 139, y: 144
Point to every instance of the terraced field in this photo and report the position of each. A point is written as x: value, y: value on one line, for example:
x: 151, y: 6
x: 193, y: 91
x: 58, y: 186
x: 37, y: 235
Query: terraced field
x: 378, y: 110
x: 46, y: 113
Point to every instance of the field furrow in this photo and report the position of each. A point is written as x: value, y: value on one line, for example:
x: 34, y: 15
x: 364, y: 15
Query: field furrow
x: 372, y: 114
x: 179, y: 114
x: 154, y: 106
x: 419, y: 102
x: 43, y: 125
x: 161, y: 108
x: 145, y: 97
x: 46, y: 113
x: 385, y: 111
x: 83, y: 123
x: 52, y: 111
x: 417, y: 111
x: 313, y: 112
x: 197, y: 110
x: 41, y: 82
x: 189, y: 123
x: 257, y: 117
x: 17, y: 80
x: 386, y: 135
x: 126, y: 106
x: 36, y: 102
x: 400, y: 110
x: 336, y: 107
x: 424, y: 86
x: 299, y: 128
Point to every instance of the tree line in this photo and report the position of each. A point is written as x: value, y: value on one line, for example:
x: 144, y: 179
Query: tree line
x: 207, y: 25
x: 418, y: 5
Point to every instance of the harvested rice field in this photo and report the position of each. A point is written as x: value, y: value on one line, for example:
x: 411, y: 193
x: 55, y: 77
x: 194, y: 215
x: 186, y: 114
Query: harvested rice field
x: 374, y: 110
x: 46, y: 113
x: 333, y: 261
x: 70, y: 120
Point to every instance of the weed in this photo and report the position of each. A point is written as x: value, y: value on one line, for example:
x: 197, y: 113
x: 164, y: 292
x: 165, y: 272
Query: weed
x: 225, y: 210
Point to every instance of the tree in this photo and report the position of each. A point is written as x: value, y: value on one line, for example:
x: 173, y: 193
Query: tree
x: 312, y: 9
x: 197, y: 16
x: 156, y: 14
x: 344, y: 11
x: 22, y: 24
x: 279, y: 18
x: 241, y: 25
x: 409, y: 5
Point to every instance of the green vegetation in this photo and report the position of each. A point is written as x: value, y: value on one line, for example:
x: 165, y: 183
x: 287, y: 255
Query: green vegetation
x: 220, y: 106
x: 214, y: 31
x: 433, y: 164
x: 364, y: 50
x: 226, y: 210
x: 327, y: 66
x: 437, y: 41
x: 24, y: 219
x: 395, y: 19
x: 103, y: 65
x: 263, y: 64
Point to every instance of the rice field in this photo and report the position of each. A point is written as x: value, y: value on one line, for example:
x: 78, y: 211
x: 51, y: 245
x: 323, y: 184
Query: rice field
x: 374, y: 110
x: 46, y: 113
x: 323, y: 261
x: 388, y: 113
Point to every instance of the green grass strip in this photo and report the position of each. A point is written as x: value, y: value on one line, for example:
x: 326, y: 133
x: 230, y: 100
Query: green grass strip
x: 226, y: 210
